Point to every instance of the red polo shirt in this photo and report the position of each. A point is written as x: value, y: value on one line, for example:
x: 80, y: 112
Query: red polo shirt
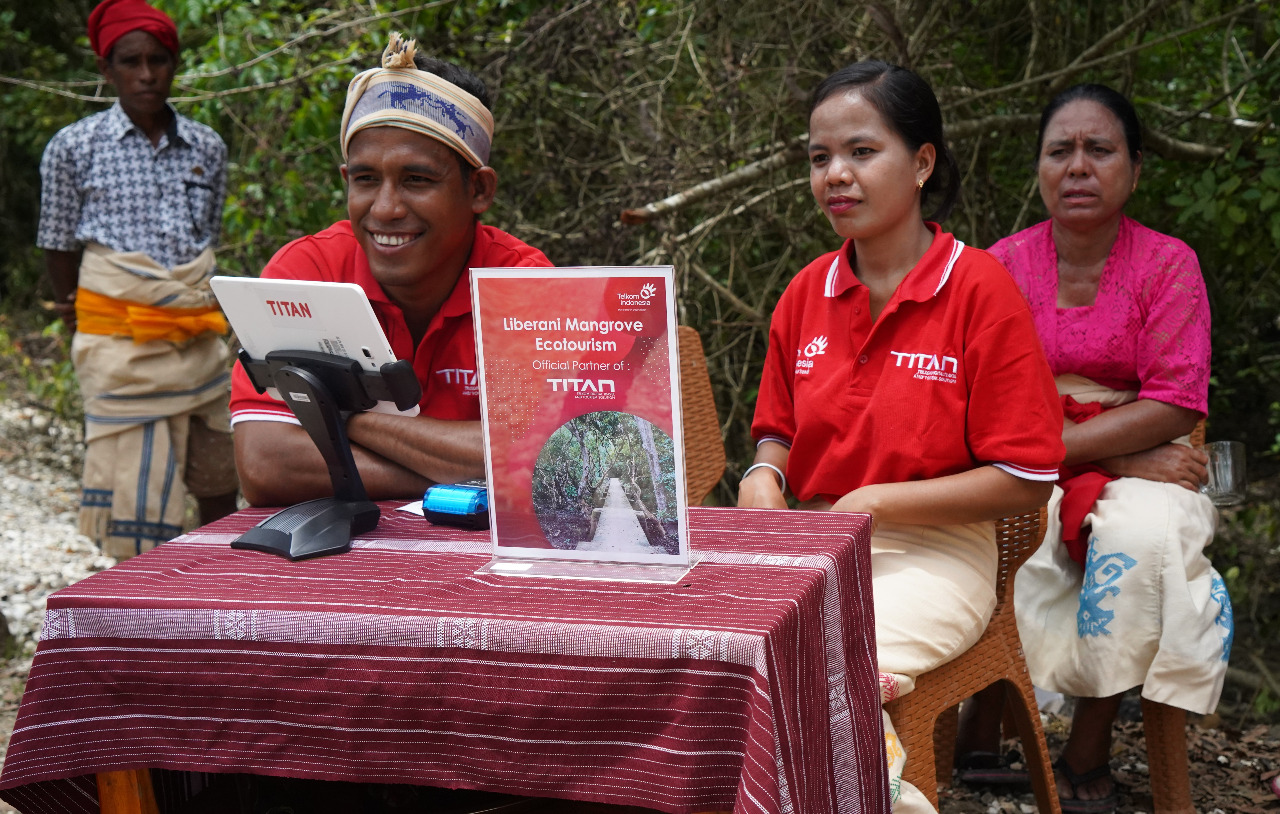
x: 445, y: 359
x: 949, y: 378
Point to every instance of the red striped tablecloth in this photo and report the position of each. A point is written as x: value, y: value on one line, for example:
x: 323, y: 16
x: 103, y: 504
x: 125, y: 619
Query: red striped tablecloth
x: 751, y: 685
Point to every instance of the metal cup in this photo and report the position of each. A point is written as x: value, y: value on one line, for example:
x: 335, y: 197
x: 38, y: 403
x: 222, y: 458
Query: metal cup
x: 1226, y: 483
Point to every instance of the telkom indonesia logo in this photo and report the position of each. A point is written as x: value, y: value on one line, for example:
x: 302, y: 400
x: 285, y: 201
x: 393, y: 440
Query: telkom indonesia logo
x: 816, y: 347
x: 644, y: 297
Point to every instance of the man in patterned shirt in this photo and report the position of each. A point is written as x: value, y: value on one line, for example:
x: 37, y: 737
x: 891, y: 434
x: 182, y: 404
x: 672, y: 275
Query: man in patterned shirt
x: 131, y: 206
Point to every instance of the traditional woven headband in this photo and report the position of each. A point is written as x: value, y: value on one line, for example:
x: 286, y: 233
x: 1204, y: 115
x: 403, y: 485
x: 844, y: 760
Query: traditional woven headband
x: 400, y: 95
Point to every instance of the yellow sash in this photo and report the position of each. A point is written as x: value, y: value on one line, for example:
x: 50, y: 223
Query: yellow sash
x: 107, y: 316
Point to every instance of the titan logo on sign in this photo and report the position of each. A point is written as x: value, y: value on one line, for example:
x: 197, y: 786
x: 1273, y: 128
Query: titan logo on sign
x: 582, y: 385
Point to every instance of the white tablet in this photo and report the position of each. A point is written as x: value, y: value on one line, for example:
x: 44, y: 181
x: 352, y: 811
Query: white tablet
x: 331, y: 318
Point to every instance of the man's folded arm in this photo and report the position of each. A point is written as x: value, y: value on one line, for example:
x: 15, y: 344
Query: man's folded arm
x: 279, y: 465
x: 439, y: 450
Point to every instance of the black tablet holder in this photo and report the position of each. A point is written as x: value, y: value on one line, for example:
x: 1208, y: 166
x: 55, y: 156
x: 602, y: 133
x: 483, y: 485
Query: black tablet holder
x: 323, y: 391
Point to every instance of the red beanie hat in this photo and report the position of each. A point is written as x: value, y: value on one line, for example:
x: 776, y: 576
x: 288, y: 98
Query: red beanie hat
x: 112, y: 19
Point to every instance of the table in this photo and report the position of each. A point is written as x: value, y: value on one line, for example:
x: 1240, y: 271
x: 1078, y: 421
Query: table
x: 751, y: 685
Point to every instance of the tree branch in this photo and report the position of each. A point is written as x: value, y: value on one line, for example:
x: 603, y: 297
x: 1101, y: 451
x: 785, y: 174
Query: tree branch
x: 1162, y: 144
x: 1167, y: 146
x: 311, y: 35
x: 58, y: 88
x: 1103, y: 44
x: 885, y: 20
x: 795, y: 151
x: 1077, y: 67
x: 1004, y: 122
x: 198, y: 97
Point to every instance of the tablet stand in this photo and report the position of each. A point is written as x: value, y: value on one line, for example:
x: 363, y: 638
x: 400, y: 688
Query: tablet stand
x: 323, y: 391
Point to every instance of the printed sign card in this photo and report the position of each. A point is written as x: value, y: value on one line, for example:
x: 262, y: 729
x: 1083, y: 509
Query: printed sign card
x: 581, y: 400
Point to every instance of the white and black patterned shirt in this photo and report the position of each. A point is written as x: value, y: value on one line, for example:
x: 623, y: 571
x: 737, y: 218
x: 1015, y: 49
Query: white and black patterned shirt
x: 103, y: 181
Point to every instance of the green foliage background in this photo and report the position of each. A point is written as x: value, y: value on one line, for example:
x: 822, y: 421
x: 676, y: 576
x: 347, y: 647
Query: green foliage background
x: 607, y: 105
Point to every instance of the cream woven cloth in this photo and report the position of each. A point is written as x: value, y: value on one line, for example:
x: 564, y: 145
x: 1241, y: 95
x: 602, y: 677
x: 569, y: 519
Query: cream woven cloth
x: 138, y: 401
x: 1148, y: 609
x: 934, y: 591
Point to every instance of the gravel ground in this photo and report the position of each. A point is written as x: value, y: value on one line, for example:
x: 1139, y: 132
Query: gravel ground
x: 40, y: 548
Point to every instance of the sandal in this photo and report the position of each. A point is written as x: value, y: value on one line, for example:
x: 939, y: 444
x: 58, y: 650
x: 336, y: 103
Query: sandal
x: 1074, y: 805
x: 991, y: 769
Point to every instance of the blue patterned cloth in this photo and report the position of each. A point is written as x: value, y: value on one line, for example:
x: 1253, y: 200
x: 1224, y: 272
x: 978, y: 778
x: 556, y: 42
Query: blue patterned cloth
x: 104, y: 182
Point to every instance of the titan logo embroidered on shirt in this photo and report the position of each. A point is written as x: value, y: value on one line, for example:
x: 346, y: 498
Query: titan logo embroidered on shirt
x: 816, y: 347
x: 467, y: 378
x: 928, y: 366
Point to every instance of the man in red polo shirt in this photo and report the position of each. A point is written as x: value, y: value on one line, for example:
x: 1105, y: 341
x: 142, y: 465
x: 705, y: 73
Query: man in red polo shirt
x: 415, y: 136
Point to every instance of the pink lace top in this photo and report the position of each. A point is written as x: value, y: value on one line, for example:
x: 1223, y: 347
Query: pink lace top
x: 1148, y: 329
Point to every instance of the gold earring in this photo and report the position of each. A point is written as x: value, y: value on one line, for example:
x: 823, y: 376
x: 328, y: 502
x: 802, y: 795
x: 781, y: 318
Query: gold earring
x: 919, y: 183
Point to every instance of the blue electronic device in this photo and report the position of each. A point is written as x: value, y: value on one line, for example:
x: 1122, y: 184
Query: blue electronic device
x: 465, y: 505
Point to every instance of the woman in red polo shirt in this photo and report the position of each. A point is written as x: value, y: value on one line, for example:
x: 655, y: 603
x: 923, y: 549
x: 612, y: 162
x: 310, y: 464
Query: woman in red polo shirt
x: 904, y: 378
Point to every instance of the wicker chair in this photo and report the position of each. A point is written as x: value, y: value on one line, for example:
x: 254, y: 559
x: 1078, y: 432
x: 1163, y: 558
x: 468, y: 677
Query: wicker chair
x: 926, y: 724
x: 703, y: 445
x: 926, y: 718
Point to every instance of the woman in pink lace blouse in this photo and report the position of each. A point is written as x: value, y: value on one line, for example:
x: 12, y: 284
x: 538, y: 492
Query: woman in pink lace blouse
x: 1120, y: 594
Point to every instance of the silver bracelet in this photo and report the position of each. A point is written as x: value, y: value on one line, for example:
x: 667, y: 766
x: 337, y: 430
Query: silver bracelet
x: 781, y: 475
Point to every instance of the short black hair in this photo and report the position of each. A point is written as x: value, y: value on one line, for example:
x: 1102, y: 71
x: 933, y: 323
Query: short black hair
x: 456, y: 75
x: 910, y: 108
x: 1112, y: 100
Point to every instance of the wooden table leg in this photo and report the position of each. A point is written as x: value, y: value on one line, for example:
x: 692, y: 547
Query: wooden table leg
x: 126, y: 792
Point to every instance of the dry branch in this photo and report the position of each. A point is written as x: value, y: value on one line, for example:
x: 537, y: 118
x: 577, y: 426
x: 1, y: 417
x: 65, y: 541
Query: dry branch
x: 1003, y: 123
x: 795, y: 151
x: 197, y: 97
x: 1161, y: 143
x: 1105, y: 42
x: 60, y: 88
x: 1076, y: 68
x: 311, y: 35
x: 1170, y: 147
